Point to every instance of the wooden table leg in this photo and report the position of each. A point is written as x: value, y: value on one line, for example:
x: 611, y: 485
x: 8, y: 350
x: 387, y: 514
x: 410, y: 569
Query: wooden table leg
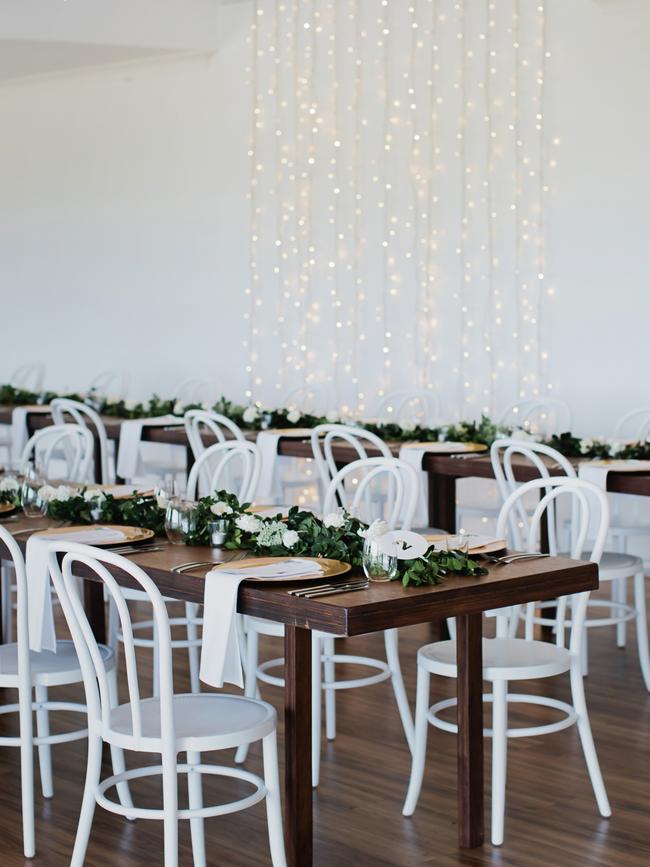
x: 94, y: 607
x: 298, y: 818
x: 442, y: 502
x: 470, y: 729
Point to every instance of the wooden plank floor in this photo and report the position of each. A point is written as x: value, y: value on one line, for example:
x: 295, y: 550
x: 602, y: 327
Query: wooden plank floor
x: 551, y: 814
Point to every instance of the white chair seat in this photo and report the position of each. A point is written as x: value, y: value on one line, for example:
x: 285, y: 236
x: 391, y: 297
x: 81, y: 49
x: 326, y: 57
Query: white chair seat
x: 47, y: 668
x: 503, y: 659
x: 264, y: 627
x: 202, y: 722
x: 614, y: 565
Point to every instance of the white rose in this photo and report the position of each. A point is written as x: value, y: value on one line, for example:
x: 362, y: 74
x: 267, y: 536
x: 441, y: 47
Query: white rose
x: 248, y: 523
x: 585, y: 446
x: 615, y: 446
x: 290, y: 538
x: 94, y: 496
x: 293, y: 416
x: 407, y: 426
x: 521, y: 435
x: 334, y: 520
x: 9, y: 484
x: 63, y: 493
x: 376, y: 529
x: 220, y: 508
x: 46, y: 493
x: 146, y: 405
x: 250, y: 414
x: 205, y: 405
x: 332, y: 416
x: 130, y: 405
x: 179, y: 408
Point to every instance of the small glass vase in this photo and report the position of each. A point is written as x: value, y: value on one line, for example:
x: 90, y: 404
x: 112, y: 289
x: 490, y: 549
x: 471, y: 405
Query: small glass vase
x: 180, y: 520
x: 218, y: 532
x: 377, y: 563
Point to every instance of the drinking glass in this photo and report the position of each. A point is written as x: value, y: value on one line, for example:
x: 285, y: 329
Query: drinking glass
x: 377, y: 563
x: 34, y: 505
x: 459, y: 542
x: 165, y: 490
x: 218, y: 532
x: 180, y: 520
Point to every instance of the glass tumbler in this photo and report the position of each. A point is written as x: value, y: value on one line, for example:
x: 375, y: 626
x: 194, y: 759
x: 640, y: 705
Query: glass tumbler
x: 378, y: 564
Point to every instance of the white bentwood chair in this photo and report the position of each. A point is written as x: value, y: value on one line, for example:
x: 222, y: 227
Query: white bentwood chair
x: 28, y: 671
x: 615, y: 567
x: 110, y: 383
x: 166, y: 724
x: 223, y: 429
x: 633, y: 426
x: 71, y: 447
x: 212, y: 471
x: 403, y: 479
x: 29, y: 376
x: 196, y: 389
x: 63, y: 409
x: 506, y: 659
x: 537, y: 415
x: 417, y: 407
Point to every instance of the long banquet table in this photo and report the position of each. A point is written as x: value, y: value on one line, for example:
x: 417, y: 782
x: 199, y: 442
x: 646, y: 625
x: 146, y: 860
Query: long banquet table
x: 443, y: 470
x: 381, y: 606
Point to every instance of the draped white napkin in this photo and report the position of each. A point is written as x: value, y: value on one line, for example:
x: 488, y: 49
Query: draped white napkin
x: 267, y: 487
x: 19, y: 429
x: 40, y: 616
x: 220, y: 656
x: 414, y: 456
x: 130, y: 451
x: 596, y: 473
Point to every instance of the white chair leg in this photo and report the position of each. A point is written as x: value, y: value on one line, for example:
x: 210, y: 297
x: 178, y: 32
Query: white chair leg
x: 273, y: 806
x: 195, y: 794
x: 7, y: 602
x: 499, y: 757
x: 170, y: 808
x: 619, y: 594
x: 316, y: 705
x: 27, y: 770
x: 584, y: 653
x: 419, y: 743
x: 113, y: 619
x: 642, y: 627
x: 191, y: 613
x: 586, y: 738
x: 117, y: 754
x: 391, y: 640
x: 156, y: 664
x: 451, y: 627
x: 88, y: 802
x: 44, y: 750
x: 250, y: 682
x: 329, y: 676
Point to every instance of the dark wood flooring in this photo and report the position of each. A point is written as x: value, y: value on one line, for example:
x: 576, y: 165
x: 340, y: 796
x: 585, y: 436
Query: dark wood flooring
x: 551, y: 818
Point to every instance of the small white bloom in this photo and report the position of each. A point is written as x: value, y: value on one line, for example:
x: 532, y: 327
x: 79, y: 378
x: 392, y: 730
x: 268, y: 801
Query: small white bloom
x: 220, y: 508
x: 94, y: 496
x: 334, y: 520
x: 271, y: 534
x: 376, y: 529
x: 290, y: 538
x: 293, y: 416
x: 64, y: 493
x: 248, y: 523
x: 130, y: 405
x: 146, y: 405
x: 615, y: 446
x: 206, y: 406
x: 250, y: 414
x: 586, y: 446
x: 332, y: 416
x: 521, y: 435
x: 407, y: 425
x: 9, y: 484
x: 46, y: 493
x: 179, y: 408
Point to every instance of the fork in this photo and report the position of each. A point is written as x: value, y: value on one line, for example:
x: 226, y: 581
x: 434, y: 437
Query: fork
x: 326, y: 590
x: 511, y: 558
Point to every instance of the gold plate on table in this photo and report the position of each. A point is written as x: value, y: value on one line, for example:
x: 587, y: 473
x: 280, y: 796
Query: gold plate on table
x: 130, y: 535
x: 619, y: 465
x: 7, y: 507
x: 298, y: 432
x: 483, y: 544
x: 329, y: 568
x: 269, y: 511
x: 122, y: 492
x: 447, y: 448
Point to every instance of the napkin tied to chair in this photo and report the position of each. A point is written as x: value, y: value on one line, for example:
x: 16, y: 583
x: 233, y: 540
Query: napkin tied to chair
x: 40, y: 616
x: 130, y: 446
x: 267, y: 443
x: 414, y: 456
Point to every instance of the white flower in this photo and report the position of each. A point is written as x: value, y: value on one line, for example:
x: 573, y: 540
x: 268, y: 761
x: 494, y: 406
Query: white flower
x: 332, y: 416
x: 146, y: 405
x: 94, y: 496
x: 586, y: 446
x: 179, y: 408
x: 250, y: 414
x: 248, y: 523
x: 271, y: 533
x: 220, y: 508
x: 376, y: 529
x: 521, y: 435
x: 293, y: 416
x: 290, y: 538
x: 46, y: 493
x: 407, y: 425
x: 9, y: 484
x: 206, y: 406
x: 615, y: 446
x: 130, y: 405
x: 63, y: 493
x: 334, y: 520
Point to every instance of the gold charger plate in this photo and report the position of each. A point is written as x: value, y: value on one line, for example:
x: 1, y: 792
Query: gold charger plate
x: 269, y: 511
x: 329, y: 568
x: 620, y: 465
x: 132, y: 535
x: 447, y: 448
x: 7, y: 507
x: 490, y: 546
x: 122, y: 492
x: 299, y: 432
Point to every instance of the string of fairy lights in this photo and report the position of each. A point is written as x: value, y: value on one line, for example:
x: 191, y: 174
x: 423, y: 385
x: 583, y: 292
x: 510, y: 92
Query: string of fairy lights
x: 399, y: 167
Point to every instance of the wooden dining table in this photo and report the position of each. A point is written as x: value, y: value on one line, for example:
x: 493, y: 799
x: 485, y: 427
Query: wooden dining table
x: 381, y: 606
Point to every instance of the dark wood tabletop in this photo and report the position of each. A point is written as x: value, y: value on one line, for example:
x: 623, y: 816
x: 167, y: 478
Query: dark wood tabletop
x: 381, y: 606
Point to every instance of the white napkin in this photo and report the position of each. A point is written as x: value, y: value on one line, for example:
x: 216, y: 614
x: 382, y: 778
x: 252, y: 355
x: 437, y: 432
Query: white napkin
x: 597, y: 475
x: 267, y: 488
x: 220, y: 656
x: 19, y: 429
x: 40, y: 616
x: 414, y: 456
x: 91, y: 536
x: 129, y: 453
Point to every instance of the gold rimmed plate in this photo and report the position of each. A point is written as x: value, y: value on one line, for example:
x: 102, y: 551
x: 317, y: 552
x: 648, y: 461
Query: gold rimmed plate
x: 269, y: 511
x: 298, y: 432
x: 328, y: 569
x: 122, y: 492
x: 447, y: 448
x: 477, y: 544
x: 99, y: 535
x: 6, y: 508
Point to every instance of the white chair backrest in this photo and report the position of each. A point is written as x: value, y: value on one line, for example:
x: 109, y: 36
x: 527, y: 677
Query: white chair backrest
x: 212, y: 470
x: 196, y: 390
x: 539, y: 415
x: 313, y: 399
x: 634, y: 425
x: 402, y: 486
x: 15, y: 556
x: 73, y: 444
x: 221, y: 427
x: 504, y: 454
x: 589, y: 507
x: 110, y: 383
x: 29, y: 376
x: 325, y: 437
x: 64, y: 409
x: 421, y: 407
x: 91, y: 660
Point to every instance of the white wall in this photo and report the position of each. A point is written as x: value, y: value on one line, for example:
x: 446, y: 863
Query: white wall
x: 123, y: 218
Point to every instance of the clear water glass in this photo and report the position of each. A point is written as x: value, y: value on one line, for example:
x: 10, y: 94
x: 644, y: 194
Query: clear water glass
x: 31, y: 501
x: 165, y: 490
x: 180, y: 520
x: 377, y: 563
x: 459, y: 542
